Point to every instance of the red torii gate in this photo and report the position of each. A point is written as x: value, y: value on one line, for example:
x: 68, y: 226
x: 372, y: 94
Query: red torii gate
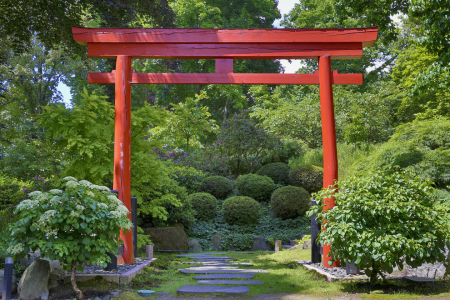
x: 223, y: 45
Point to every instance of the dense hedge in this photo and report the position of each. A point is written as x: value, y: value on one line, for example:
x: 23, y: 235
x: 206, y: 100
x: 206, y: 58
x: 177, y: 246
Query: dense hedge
x: 308, y: 177
x: 240, y: 210
x: 278, y: 172
x: 255, y: 186
x: 289, y: 202
x: 204, y: 204
x: 218, y: 186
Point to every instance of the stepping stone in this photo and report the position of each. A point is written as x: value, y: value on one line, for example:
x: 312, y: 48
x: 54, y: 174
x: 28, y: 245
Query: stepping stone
x: 225, y: 276
x: 240, y: 252
x: 420, y: 279
x: 200, y: 255
x: 210, y: 257
x: 214, y: 260
x: 214, y: 267
x: 218, y: 264
x: 197, y: 289
x: 252, y: 282
x: 220, y: 271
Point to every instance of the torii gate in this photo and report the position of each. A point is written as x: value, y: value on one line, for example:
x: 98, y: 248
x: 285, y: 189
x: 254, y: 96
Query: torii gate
x: 223, y: 45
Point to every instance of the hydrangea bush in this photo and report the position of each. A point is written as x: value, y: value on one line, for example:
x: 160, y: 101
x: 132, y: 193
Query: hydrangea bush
x: 79, y: 223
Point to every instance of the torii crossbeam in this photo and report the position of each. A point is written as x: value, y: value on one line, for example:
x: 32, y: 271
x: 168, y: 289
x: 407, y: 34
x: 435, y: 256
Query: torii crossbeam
x: 223, y: 45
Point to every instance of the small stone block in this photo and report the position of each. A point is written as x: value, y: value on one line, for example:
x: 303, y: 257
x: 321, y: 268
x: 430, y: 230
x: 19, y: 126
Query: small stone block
x: 251, y: 282
x: 198, y: 289
x: 420, y: 279
x: 225, y: 276
x: 149, y: 251
x: 277, y: 245
x: 220, y: 271
x: 287, y: 246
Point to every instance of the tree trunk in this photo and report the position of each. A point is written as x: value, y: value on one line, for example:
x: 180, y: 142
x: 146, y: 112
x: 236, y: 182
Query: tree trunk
x: 74, y: 283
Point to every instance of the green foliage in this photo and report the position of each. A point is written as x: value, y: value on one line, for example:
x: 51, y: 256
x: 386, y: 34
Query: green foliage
x: 240, y: 210
x: 289, y: 202
x: 186, y: 176
x: 240, y: 237
x: 246, y: 143
x: 142, y: 240
x: 204, y: 205
x: 304, y: 239
x: 278, y: 172
x: 382, y: 220
x: 11, y: 191
x: 308, y: 177
x: 218, y: 186
x: 76, y: 225
x: 420, y: 146
x: 190, y: 121
x: 255, y: 186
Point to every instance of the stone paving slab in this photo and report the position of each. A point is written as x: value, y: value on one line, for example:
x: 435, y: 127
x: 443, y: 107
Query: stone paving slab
x: 225, y: 276
x: 214, y: 267
x: 201, y: 254
x: 210, y: 257
x: 421, y: 279
x: 219, y: 264
x: 219, y: 271
x: 200, y: 260
x: 199, y: 289
x: 251, y: 282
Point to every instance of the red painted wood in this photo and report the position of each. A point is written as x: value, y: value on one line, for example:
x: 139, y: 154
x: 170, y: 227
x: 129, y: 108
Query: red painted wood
x: 237, y: 51
x: 330, y: 162
x: 367, y: 36
x: 228, y: 78
x: 224, y: 66
x: 122, y: 145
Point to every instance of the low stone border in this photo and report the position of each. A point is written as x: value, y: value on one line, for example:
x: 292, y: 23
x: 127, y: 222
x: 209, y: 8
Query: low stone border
x: 329, y: 277
x: 124, y: 278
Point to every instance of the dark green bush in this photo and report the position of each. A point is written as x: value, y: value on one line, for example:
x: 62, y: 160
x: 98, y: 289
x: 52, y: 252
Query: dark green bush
x: 279, y: 172
x: 240, y: 210
x: 12, y: 191
x: 255, y: 186
x: 218, y: 186
x: 289, y: 202
x: 204, y: 204
x: 308, y: 177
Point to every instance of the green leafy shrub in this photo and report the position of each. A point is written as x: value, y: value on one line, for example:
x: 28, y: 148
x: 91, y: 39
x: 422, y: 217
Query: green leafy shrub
x: 12, y: 191
x: 240, y: 210
x: 290, y: 202
x: 237, y: 241
x: 62, y: 223
x: 382, y: 220
x: 255, y: 186
x: 218, y: 186
x: 186, y: 176
x: 204, y: 204
x: 420, y: 146
x: 278, y: 172
x: 308, y: 177
x: 142, y: 240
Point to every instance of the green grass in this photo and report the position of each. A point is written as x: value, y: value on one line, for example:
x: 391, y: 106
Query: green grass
x: 286, y: 276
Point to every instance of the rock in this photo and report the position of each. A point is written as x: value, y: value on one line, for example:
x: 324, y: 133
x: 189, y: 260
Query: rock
x: 259, y: 243
x: 57, y: 273
x: 307, y: 244
x: 33, y: 255
x: 194, y: 246
x: 297, y: 247
x: 14, y: 282
x: 216, y: 240
x: 107, y: 297
x: 34, y: 280
x: 168, y: 238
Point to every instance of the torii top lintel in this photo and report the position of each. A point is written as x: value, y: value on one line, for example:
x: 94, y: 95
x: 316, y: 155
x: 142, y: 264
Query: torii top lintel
x: 226, y: 43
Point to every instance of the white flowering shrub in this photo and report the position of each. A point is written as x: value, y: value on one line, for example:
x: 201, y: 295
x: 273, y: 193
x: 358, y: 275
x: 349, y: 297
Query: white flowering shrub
x: 77, y: 224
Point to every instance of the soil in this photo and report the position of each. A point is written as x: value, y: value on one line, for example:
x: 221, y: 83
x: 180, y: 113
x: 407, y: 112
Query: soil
x: 63, y: 292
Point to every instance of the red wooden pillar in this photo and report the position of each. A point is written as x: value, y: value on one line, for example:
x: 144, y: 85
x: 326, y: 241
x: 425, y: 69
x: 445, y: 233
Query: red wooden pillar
x: 330, y: 162
x: 122, y: 145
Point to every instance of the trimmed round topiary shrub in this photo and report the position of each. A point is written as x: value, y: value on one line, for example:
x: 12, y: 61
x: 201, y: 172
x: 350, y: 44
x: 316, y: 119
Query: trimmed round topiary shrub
x: 279, y: 172
x: 240, y: 210
x: 308, y: 177
x: 204, y: 204
x: 255, y: 186
x: 289, y: 202
x: 218, y: 186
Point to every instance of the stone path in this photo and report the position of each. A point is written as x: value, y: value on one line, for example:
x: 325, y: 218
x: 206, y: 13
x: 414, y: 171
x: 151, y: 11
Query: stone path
x: 220, y: 271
